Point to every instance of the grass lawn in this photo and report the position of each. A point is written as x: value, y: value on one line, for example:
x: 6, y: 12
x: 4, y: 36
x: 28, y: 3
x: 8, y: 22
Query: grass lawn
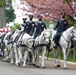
x: 70, y: 56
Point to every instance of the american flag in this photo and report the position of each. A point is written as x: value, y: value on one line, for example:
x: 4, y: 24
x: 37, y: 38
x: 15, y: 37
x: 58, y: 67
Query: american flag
x: 4, y: 29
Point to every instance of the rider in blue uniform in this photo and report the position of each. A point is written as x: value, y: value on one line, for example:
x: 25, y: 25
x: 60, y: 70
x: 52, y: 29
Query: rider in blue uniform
x: 30, y: 25
x: 22, y: 27
x: 29, y: 28
x: 61, y: 26
x: 40, y: 26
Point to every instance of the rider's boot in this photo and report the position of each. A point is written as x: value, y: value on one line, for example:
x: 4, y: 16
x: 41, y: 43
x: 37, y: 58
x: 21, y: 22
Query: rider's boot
x: 48, y: 46
x: 55, y: 45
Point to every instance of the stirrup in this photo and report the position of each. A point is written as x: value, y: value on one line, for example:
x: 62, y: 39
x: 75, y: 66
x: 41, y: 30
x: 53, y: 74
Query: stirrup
x: 55, y: 45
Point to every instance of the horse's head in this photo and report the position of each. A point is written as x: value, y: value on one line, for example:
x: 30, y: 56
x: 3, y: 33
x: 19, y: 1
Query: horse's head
x: 45, y: 36
x: 30, y: 42
x: 70, y: 32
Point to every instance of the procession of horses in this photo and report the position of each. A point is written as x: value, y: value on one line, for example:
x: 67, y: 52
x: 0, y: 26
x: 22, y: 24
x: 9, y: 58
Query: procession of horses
x: 16, y: 47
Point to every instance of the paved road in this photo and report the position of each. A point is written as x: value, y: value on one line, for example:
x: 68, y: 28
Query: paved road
x: 8, y: 69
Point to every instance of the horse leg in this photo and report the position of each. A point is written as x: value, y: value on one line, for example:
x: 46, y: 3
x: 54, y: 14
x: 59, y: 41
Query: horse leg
x: 12, y: 54
x: 20, y: 55
x: 25, y: 58
x: 55, y: 54
x: 5, y: 54
x: 58, y: 63
x: 65, y: 58
x: 37, y: 58
x: 30, y: 57
x: 68, y: 52
x: 43, y: 55
x: 16, y: 56
x: 2, y: 49
x: 33, y: 58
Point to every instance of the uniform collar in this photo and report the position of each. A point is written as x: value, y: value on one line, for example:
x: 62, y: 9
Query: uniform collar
x: 62, y: 19
x: 40, y: 21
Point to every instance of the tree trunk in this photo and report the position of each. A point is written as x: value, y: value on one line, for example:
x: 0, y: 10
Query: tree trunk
x: 74, y: 54
x: 2, y: 17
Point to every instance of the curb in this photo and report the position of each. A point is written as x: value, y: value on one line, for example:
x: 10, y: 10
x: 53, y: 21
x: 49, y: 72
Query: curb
x: 60, y: 60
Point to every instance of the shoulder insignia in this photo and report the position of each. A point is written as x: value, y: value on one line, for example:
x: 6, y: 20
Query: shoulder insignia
x: 42, y: 25
x: 26, y: 27
x: 64, y: 22
x: 32, y: 24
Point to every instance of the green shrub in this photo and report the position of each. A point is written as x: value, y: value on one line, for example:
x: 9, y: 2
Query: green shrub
x: 16, y: 26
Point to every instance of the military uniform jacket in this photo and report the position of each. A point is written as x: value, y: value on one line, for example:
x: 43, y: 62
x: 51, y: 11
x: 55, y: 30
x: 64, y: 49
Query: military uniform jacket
x: 61, y: 26
x: 40, y: 27
x: 29, y: 28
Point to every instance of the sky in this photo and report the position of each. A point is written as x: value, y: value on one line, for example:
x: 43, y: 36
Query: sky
x: 16, y: 5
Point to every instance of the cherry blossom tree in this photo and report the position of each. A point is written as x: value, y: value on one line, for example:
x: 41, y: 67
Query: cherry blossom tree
x: 50, y: 9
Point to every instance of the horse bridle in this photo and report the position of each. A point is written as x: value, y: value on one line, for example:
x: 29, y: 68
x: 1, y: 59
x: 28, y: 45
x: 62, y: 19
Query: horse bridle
x: 73, y: 35
x: 45, y: 37
x: 27, y: 43
x: 68, y: 36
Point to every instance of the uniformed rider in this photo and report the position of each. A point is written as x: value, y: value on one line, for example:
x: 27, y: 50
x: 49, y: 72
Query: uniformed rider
x: 23, y: 26
x: 61, y: 26
x: 30, y: 25
x: 40, y: 26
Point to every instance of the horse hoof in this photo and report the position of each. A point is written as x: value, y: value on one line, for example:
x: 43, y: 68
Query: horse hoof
x: 65, y: 68
x: 24, y: 66
x: 37, y: 66
x: 4, y: 59
x: 18, y: 64
x: 12, y: 63
x: 34, y: 64
x: 58, y: 65
x: 43, y: 67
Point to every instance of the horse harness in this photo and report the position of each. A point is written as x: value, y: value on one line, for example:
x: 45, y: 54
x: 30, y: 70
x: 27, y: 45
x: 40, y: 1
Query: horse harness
x: 67, y: 40
x: 24, y: 45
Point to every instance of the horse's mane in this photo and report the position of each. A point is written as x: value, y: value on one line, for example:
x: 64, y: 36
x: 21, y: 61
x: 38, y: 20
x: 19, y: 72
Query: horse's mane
x: 69, y: 29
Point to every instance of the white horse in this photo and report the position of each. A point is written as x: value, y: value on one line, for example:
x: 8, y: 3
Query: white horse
x: 25, y: 44
x: 8, y: 45
x: 40, y: 44
x: 2, y: 45
x: 14, y: 52
x: 65, y: 44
